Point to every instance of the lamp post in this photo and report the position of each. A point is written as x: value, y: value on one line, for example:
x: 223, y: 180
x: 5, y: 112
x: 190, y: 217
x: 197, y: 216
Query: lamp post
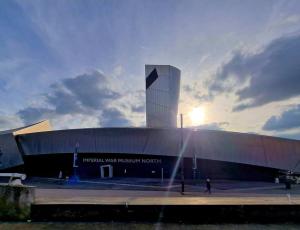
x: 182, y: 158
x: 1, y: 157
x: 75, y: 177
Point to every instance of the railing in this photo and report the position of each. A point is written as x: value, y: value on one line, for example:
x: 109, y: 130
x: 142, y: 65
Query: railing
x: 14, y: 178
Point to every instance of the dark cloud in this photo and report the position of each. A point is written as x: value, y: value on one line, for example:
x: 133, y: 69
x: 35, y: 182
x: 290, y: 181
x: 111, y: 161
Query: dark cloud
x: 289, y: 119
x: 273, y: 74
x: 81, y: 94
x: 91, y: 90
x: 63, y: 101
x: 87, y: 94
x: 31, y: 115
x: 112, y: 117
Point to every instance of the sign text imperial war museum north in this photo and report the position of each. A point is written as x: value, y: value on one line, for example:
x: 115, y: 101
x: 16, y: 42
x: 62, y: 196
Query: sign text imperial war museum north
x: 131, y: 165
x: 122, y: 160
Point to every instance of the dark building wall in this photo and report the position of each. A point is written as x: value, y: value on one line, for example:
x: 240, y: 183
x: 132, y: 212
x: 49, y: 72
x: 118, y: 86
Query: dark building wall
x: 125, y: 165
x: 48, y: 165
x: 148, y: 166
x: 10, y: 155
x: 228, y: 170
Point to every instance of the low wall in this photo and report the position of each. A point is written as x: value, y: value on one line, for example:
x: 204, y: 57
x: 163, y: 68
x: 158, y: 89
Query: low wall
x: 15, y: 202
x: 197, y: 214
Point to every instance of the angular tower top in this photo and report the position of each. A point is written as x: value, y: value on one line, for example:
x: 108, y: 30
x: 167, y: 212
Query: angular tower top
x: 162, y: 95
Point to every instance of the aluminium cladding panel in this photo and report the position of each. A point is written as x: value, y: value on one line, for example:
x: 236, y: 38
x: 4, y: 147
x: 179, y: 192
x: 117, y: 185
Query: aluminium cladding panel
x: 62, y: 141
x: 282, y: 153
x: 164, y: 142
x: 10, y: 155
x: 248, y: 149
x: 121, y: 140
x: 162, y: 95
x: 297, y: 152
x: 231, y: 147
x: 104, y: 140
x: 212, y: 145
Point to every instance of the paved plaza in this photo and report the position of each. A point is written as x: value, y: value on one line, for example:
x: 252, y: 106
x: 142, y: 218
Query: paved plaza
x: 125, y: 197
x: 133, y: 191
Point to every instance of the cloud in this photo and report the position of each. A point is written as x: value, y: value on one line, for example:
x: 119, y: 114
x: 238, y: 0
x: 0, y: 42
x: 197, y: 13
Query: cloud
x: 64, y: 102
x: 113, y: 117
x: 295, y: 136
x: 138, y: 108
x: 118, y: 70
x: 289, y: 119
x: 9, y: 122
x: 31, y: 115
x: 293, y: 19
x: 196, y: 93
x: 260, y: 78
x: 87, y: 95
x: 212, y: 126
x: 187, y: 88
x: 91, y: 90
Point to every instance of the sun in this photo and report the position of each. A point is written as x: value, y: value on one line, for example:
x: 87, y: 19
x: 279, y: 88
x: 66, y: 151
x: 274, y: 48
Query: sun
x: 197, y: 116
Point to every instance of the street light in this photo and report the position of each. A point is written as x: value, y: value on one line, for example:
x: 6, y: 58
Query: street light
x: 75, y: 177
x: 181, y: 151
x: 197, y: 115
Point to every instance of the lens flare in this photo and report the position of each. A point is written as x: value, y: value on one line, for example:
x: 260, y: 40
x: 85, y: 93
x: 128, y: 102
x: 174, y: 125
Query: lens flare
x: 197, y: 116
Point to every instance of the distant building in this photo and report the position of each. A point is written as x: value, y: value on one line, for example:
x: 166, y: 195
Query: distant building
x: 162, y: 95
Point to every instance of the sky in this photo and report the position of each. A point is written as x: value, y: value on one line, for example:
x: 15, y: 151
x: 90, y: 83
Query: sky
x: 81, y: 63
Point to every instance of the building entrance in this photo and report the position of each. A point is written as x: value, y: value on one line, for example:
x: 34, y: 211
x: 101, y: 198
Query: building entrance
x: 106, y: 171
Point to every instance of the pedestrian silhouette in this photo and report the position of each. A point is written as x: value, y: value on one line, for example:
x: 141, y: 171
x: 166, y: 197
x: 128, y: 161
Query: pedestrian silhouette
x: 208, y: 186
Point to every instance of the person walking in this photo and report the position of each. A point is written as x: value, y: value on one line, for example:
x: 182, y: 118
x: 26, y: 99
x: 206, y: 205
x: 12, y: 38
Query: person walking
x: 60, y: 175
x: 208, y: 186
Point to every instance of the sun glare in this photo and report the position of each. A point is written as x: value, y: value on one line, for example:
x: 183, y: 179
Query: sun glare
x: 197, y: 116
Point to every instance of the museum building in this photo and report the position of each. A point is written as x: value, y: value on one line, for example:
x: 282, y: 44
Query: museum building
x: 151, y: 151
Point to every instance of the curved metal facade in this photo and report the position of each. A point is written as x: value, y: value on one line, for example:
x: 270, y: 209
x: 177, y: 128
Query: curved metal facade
x: 10, y: 156
x: 9, y: 152
x: 224, y: 146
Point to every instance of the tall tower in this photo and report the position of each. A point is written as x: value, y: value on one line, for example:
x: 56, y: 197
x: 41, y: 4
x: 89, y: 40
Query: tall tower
x: 162, y: 94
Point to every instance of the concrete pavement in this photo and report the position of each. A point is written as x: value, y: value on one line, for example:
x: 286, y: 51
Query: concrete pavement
x: 121, y: 197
